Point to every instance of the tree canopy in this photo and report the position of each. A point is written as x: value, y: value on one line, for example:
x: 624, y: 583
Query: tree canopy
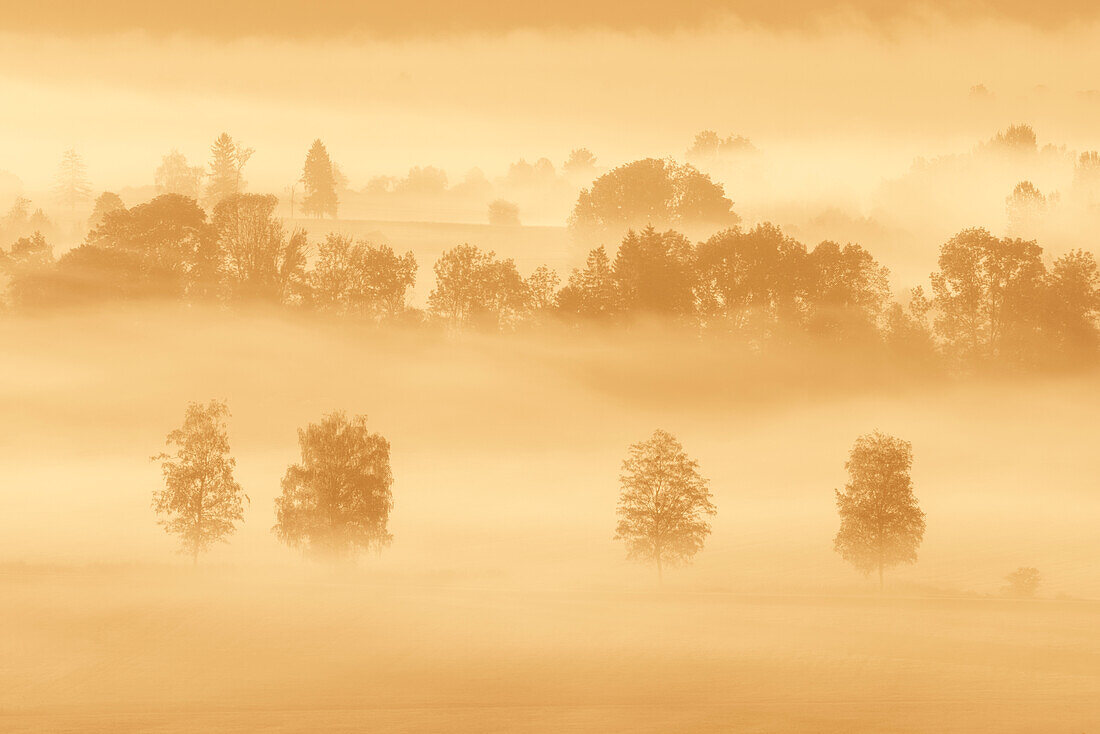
x: 664, y: 503
x: 338, y: 499
x: 881, y: 524
x: 200, y: 502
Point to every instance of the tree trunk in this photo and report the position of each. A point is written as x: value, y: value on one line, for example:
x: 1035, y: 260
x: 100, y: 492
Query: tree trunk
x: 880, y: 577
x: 660, y: 578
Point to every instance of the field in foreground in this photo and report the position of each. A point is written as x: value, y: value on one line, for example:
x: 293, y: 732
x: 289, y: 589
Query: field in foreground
x: 157, y: 649
x: 504, y: 603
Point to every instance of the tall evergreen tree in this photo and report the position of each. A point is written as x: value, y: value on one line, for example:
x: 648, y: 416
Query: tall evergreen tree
x: 71, y: 186
x: 227, y: 161
x: 319, y: 178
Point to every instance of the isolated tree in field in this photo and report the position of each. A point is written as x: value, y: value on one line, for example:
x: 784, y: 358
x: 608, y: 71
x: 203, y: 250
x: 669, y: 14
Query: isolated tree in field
x: 227, y: 161
x: 318, y: 176
x: 651, y: 192
x: 201, y: 502
x: 1023, y: 582
x: 71, y: 186
x: 503, y: 213
x: 664, y: 503
x: 176, y: 176
x: 338, y: 499
x: 881, y: 524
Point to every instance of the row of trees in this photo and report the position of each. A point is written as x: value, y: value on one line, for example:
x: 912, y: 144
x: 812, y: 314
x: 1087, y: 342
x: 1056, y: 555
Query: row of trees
x: 337, y: 499
x: 992, y: 300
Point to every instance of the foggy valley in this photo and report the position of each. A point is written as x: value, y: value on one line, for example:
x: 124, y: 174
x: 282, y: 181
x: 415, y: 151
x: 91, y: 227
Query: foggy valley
x: 586, y: 368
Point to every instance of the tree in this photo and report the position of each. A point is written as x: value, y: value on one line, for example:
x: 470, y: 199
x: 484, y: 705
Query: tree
x: 201, y: 501
x: 664, y: 503
x: 581, y: 164
x: 591, y: 293
x: 651, y: 192
x: 542, y: 289
x: 655, y: 273
x: 708, y: 145
x: 474, y: 287
x: 1025, y: 208
x: 361, y: 279
x: 176, y: 176
x: 71, y: 186
x: 338, y: 499
x: 881, y: 524
x: 987, y: 295
x: 751, y: 281
x: 261, y: 261
x: 846, y: 290
x: 105, y: 203
x: 227, y: 161
x: 320, y: 182
x: 172, y: 241
x: 84, y: 276
x: 503, y: 213
x: 1023, y: 582
x: 1073, y: 305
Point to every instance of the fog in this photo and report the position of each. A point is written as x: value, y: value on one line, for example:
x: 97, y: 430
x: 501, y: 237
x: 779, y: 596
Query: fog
x: 506, y: 601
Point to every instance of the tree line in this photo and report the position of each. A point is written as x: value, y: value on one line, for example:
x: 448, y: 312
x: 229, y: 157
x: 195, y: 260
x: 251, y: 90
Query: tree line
x: 992, y: 300
x: 337, y: 499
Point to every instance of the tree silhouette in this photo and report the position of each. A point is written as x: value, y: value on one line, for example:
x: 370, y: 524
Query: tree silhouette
x: 503, y: 213
x: 105, y: 203
x: 592, y: 292
x: 881, y: 524
x: 176, y: 176
x: 262, y: 262
x: 664, y: 503
x: 1024, y: 207
x: 227, y: 161
x: 1023, y: 582
x: 651, y: 192
x: 360, y: 279
x: 200, y: 501
x: 71, y: 186
x: 473, y: 287
x: 987, y: 295
x: 751, y: 281
x: 172, y: 240
x: 319, y: 178
x: 655, y: 273
x: 338, y: 499
x: 581, y: 164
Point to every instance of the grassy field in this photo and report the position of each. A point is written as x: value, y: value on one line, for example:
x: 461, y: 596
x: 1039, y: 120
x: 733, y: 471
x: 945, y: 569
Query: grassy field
x: 165, y: 649
x: 504, y: 604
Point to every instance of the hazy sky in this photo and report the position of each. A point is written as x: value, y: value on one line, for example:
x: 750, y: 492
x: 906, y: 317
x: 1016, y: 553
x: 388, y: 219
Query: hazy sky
x: 125, y: 82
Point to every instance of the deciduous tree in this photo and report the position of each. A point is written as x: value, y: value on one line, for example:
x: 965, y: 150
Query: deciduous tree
x: 881, y: 524
x: 338, y: 499
x: 664, y: 503
x: 201, y: 502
